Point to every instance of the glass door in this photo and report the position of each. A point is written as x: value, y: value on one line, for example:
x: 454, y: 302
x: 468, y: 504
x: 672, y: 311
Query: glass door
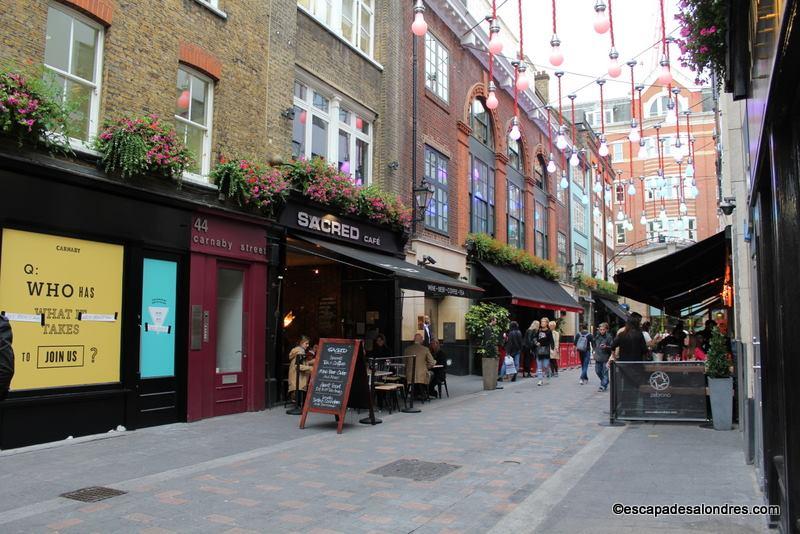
x: 231, y: 340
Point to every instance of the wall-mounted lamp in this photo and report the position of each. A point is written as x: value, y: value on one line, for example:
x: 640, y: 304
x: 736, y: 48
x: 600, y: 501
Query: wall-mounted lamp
x: 393, y: 165
x: 288, y: 114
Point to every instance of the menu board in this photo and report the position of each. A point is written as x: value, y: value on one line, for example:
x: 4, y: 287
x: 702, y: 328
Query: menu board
x: 332, y: 378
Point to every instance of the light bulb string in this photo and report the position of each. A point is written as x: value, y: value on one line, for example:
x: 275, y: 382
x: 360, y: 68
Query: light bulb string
x: 689, y: 137
x: 633, y: 98
x: 560, y: 111
x: 573, y: 122
x: 677, y: 120
x: 641, y: 116
x: 602, y: 114
x: 516, y: 92
x: 680, y: 182
x: 550, y: 137
x: 663, y: 29
x: 521, y: 53
x: 554, y: 17
x: 611, y: 23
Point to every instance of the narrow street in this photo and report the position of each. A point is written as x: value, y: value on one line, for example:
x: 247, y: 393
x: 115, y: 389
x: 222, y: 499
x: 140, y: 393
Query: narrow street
x: 521, y: 459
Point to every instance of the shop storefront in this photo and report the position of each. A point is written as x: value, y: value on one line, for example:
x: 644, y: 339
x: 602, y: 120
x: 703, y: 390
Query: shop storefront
x: 346, y: 278
x: 92, y: 278
x: 227, y: 315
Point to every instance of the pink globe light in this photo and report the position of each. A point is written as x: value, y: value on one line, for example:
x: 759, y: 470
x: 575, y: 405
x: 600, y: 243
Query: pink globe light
x: 556, y: 56
x: 665, y: 76
x: 419, y: 27
x: 601, y: 22
x: 492, y: 102
x: 183, y: 100
x: 614, y: 69
x: 359, y: 123
x: 523, y: 82
x: 495, y: 44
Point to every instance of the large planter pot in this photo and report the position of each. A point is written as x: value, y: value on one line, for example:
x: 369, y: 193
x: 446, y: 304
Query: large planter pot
x: 489, y: 368
x: 721, y: 393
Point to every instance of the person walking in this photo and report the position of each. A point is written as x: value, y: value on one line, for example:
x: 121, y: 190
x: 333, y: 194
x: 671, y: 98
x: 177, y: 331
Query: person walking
x: 601, y: 343
x: 6, y: 357
x: 630, y: 344
x: 514, y: 345
x: 544, y: 346
x: 529, y: 347
x: 555, y: 353
x: 583, y: 344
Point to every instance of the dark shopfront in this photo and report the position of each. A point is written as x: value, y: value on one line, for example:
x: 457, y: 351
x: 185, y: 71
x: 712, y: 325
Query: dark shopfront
x: 93, y: 275
x: 344, y: 278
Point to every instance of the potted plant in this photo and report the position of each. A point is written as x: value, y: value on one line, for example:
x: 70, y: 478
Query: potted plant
x: 720, y: 382
x: 251, y: 185
x: 485, y: 323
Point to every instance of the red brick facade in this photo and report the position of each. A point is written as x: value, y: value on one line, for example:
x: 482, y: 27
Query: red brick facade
x: 200, y: 59
x: 100, y: 10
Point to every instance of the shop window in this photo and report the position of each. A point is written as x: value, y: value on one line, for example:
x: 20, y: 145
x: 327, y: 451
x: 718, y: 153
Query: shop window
x: 540, y: 230
x: 436, y: 67
x: 482, y: 197
x: 516, y: 223
x: 73, y: 62
x: 436, y: 217
x: 193, y: 112
x: 352, y: 20
x: 318, y: 112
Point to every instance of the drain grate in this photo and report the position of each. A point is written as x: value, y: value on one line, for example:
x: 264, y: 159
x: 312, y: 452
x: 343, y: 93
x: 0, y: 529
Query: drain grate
x: 93, y: 494
x: 415, y: 470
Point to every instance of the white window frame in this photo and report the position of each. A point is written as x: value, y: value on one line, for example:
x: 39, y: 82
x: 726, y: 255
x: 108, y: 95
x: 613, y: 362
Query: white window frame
x: 336, y: 101
x: 610, y: 229
x: 656, y: 227
x: 597, y: 227
x: 440, y: 67
x: 617, y: 152
x: 335, y: 23
x: 620, y: 238
x: 205, y: 159
x: 94, y: 106
x: 578, y: 215
x: 661, y: 107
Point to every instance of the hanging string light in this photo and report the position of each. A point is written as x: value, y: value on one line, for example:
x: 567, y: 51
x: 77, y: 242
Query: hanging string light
x: 603, y: 150
x: 634, y: 136
x: 679, y: 147
x: 665, y: 76
x: 690, y: 161
x: 614, y: 69
x: 573, y: 159
x: 601, y: 22
x: 551, y: 165
x: 682, y: 208
x: 642, y: 150
x: 522, y: 78
x: 491, y: 99
x: 643, y: 219
x: 561, y: 140
x: 419, y: 27
x: 556, y: 56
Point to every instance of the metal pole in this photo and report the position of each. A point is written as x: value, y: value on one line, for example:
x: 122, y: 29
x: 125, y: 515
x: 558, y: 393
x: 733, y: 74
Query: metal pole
x: 371, y: 420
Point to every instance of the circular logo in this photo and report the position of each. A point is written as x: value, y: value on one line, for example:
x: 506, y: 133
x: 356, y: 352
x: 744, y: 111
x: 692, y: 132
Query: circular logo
x: 659, y: 381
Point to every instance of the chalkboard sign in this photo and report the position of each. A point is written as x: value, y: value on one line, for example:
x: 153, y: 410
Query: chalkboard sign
x: 332, y: 378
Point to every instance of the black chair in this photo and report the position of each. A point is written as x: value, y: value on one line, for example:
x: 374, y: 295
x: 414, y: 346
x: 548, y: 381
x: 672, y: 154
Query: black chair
x: 441, y: 379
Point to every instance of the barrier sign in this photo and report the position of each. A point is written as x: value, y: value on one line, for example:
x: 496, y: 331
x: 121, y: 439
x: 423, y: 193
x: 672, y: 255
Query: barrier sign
x: 663, y: 391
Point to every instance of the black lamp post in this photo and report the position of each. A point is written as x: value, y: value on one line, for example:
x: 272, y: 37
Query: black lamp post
x: 422, y: 196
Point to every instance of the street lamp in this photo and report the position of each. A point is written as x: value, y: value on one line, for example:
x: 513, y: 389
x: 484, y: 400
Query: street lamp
x: 422, y: 196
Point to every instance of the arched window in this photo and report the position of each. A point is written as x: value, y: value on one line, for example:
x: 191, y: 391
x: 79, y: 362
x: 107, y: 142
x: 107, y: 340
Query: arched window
x: 660, y: 105
x: 481, y: 157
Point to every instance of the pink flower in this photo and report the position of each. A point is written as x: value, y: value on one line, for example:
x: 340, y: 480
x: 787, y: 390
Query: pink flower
x: 685, y: 31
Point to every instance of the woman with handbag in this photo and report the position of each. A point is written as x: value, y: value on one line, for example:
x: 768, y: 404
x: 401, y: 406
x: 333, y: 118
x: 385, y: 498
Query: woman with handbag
x: 555, y: 353
x: 544, y: 344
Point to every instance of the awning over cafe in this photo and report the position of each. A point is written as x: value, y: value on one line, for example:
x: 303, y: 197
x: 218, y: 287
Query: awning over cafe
x: 411, y: 276
x: 614, y: 308
x: 532, y: 291
x: 684, y: 278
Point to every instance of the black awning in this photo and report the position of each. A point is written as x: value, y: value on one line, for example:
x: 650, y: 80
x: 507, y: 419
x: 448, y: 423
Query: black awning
x: 614, y: 308
x: 532, y: 291
x: 681, y: 279
x: 411, y: 276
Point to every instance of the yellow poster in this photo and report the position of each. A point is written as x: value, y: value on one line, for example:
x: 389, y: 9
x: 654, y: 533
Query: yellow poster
x: 76, y: 286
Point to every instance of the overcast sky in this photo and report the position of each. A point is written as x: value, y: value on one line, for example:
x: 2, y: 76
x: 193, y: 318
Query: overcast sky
x: 637, y: 28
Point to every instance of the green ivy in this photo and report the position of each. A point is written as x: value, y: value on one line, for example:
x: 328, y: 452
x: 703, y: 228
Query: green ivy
x: 480, y: 315
x: 485, y: 248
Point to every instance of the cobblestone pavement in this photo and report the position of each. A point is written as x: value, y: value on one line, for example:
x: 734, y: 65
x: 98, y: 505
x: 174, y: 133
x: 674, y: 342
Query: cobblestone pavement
x: 529, y: 459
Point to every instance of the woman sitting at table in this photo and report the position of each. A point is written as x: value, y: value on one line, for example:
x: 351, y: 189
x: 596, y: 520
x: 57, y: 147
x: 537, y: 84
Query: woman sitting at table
x: 439, y: 371
x: 300, y: 368
x: 379, y: 348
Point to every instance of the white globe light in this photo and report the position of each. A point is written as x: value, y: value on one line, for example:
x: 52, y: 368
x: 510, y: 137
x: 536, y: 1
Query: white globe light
x: 515, y: 134
x: 596, y: 211
x: 564, y: 183
x: 551, y: 166
x: 631, y: 190
x: 585, y: 199
x: 620, y: 216
x: 634, y: 135
x: 597, y: 188
x: 689, y: 170
x: 683, y: 209
x: 573, y: 160
x: 603, y: 150
x: 643, y: 220
x: 561, y: 141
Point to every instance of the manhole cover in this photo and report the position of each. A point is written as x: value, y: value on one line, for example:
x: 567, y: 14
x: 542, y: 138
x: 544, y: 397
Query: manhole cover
x: 415, y: 470
x: 92, y: 494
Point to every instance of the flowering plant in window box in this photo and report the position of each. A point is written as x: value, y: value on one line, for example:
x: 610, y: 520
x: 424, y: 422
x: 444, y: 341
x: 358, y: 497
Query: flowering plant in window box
x: 136, y: 146
x: 32, y: 112
x: 703, y: 26
x: 591, y: 283
x: 325, y: 184
x: 484, y: 247
x: 251, y: 184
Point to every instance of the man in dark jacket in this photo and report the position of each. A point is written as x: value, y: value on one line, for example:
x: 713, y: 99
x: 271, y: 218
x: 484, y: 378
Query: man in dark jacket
x: 6, y: 357
x: 602, y: 352
x: 514, y: 345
